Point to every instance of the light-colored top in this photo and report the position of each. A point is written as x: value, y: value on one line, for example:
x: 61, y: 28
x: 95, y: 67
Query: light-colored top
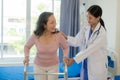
x: 46, y: 54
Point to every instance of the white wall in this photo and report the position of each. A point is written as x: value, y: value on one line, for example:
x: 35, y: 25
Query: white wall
x: 117, y: 47
x: 112, y: 22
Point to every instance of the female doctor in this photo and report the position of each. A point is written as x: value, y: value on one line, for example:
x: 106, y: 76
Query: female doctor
x: 92, y: 41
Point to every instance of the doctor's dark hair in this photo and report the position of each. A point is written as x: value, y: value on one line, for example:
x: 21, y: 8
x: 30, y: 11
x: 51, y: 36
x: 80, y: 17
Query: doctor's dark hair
x: 96, y: 11
x: 42, y: 21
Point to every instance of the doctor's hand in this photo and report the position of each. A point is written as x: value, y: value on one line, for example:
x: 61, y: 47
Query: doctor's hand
x: 70, y: 61
x: 63, y: 35
x: 65, y: 59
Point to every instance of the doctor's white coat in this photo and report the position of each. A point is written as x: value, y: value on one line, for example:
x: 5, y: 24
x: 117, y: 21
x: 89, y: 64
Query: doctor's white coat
x: 95, y: 51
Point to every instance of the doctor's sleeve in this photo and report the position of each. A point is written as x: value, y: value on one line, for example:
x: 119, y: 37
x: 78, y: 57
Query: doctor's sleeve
x: 99, y: 42
x: 77, y: 40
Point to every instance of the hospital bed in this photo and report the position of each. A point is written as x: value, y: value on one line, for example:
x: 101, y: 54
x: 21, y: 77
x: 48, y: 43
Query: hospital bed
x: 16, y: 71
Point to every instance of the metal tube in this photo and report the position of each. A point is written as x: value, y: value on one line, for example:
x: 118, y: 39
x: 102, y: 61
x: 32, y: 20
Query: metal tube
x: 32, y: 73
x: 65, y: 71
x: 25, y: 71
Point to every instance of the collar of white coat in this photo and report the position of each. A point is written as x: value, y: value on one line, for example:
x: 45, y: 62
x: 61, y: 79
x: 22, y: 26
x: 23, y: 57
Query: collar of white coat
x: 97, y: 27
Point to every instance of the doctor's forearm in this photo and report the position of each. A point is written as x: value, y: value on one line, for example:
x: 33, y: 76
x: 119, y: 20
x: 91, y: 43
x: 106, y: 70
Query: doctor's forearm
x: 73, y: 41
x: 93, y: 48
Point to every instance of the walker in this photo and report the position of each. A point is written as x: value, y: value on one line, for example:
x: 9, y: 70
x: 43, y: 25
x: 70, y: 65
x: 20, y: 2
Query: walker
x: 27, y: 73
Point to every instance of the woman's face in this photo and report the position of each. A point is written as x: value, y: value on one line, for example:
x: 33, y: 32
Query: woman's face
x: 51, y: 24
x: 92, y: 20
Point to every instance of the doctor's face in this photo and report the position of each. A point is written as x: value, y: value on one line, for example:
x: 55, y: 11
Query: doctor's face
x: 92, y: 20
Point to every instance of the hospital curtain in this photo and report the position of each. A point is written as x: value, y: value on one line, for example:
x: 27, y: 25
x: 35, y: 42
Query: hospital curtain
x: 69, y: 21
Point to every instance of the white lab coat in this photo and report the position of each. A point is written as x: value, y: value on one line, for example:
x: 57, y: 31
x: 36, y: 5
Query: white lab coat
x: 95, y: 51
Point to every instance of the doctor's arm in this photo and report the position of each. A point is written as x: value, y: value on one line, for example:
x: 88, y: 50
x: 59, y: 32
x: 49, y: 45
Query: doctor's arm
x: 77, y: 40
x: 97, y: 44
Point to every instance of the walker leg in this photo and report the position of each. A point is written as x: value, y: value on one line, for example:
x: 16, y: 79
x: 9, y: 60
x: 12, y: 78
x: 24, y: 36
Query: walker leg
x: 65, y: 71
x: 25, y: 76
x: 66, y: 78
x: 25, y: 71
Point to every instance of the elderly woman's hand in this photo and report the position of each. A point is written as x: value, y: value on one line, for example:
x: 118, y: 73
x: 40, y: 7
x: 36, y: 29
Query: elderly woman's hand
x: 26, y: 60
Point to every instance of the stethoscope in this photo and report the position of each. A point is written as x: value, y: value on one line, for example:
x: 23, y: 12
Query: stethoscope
x: 96, y: 33
x: 94, y: 36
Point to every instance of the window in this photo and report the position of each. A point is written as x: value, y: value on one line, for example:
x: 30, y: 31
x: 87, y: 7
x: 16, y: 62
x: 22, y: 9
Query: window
x: 13, y: 28
x: 18, y: 20
x: 0, y: 27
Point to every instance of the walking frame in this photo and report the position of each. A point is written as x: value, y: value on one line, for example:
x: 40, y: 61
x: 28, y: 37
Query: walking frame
x: 27, y: 73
